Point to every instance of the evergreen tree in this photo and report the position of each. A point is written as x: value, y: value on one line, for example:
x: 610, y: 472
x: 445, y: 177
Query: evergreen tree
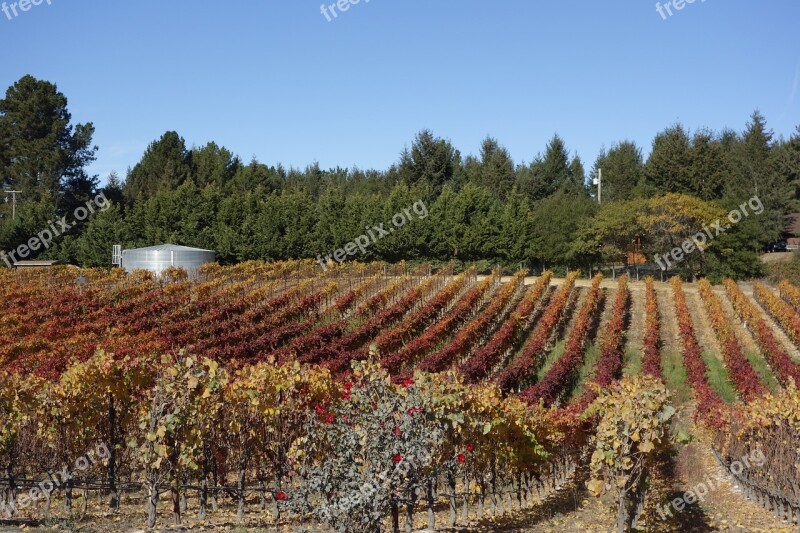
x: 95, y: 245
x: 556, y: 221
x: 577, y: 178
x: 113, y: 190
x: 431, y: 159
x: 165, y: 165
x: 551, y: 172
x: 257, y: 175
x: 41, y: 153
x: 668, y: 168
x: 496, y: 168
x: 786, y: 161
x: 623, y: 169
x: 214, y: 164
x: 709, y: 169
x: 516, y: 227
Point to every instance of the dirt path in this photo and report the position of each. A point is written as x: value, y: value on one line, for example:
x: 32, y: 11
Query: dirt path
x: 574, y: 304
x: 702, y: 325
x: 608, y: 308
x: 725, y: 508
x: 607, y: 283
x: 670, y: 337
x: 780, y: 335
x: 743, y: 335
x: 634, y: 338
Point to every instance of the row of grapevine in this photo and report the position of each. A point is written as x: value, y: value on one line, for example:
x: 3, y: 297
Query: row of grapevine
x: 651, y: 357
x: 488, y: 356
x: 322, y: 343
x: 782, y: 312
x: 352, y: 298
x: 421, y: 345
x: 790, y: 293
x: 710, y: 405
x: 347, y: 347
x: 557, y: 378
x: 533, y: 351
x: 744, y: 378
x: 785, y: 369
x: 392, y: 339
x: 609, y: 366
x: 382, y: 298
x: 468, y: 336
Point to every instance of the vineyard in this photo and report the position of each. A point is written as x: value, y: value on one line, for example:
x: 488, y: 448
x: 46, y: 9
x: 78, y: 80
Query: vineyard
x: 375, y: 397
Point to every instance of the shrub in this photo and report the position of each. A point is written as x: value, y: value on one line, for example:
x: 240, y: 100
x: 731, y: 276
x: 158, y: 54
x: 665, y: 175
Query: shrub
x: 364, y: 453
x: 633, y: 431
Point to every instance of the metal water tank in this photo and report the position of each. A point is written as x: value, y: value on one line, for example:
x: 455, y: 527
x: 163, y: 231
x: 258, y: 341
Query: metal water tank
x: 156, y: 259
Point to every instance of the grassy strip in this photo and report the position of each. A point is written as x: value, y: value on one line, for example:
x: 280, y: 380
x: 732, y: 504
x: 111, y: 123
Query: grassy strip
x: 552, y: 357
x: 719, y: 379
x: 763, y: 370
x: 587, y: 371
x: 675, y: 375
x: 632, y: 361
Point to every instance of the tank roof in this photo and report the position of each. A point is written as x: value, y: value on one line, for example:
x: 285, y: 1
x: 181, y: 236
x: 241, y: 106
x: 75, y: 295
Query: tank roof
x: 168, y: 248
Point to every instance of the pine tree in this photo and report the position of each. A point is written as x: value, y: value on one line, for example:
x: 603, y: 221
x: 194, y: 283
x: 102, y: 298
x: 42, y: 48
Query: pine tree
x: 41, y: 153
x: 165, y: 165
x: 668, y: 168
x: 623, y: 170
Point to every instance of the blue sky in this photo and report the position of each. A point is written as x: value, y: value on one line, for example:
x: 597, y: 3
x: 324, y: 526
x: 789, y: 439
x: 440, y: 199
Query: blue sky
x: 274, y: 79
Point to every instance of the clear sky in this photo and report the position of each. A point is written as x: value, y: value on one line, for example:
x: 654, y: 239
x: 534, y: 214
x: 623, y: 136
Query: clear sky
x: 276, y: 80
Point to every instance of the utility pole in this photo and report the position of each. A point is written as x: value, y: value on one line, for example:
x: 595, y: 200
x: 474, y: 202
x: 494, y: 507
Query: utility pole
x: 13, y: 202
x: 599, y: 182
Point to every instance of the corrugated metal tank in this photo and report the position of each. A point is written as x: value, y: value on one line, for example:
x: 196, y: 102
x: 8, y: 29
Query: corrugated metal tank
x: 156, y: 259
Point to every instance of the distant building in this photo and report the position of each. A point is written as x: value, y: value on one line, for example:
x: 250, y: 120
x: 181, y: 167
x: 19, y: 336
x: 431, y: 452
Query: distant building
x: 44, y: 263
x: 156, y: 259
x: 791, y: 231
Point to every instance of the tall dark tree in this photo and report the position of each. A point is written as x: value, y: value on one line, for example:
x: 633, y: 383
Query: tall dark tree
x: 94, y: 246
x: 214, y: 164
x: 165, y: 165
x: 709, y: 170
x: 551, y: 172
x: 668, y: 168
x: 556, y: 221
x: 430, y: 159
x: 40, y: 151
x: 622, y: 168
x: 113, y: 189
x: 257, y: 175
x: 576, y: 184
x: 786, y: 160
x: 496, y: 168
x: 756, y: 173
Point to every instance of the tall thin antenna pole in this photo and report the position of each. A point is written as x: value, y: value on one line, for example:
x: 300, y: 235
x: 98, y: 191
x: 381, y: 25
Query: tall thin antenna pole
x: 599, y: 185
x: 13, y: 202
x: 599, y: 182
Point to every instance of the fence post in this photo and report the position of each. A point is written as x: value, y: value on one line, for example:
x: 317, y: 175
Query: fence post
x: 451, y: 484
x: 431, y: 503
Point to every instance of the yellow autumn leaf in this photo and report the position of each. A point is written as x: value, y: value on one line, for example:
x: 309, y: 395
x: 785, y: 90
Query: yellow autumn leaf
x: 596, y: 487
